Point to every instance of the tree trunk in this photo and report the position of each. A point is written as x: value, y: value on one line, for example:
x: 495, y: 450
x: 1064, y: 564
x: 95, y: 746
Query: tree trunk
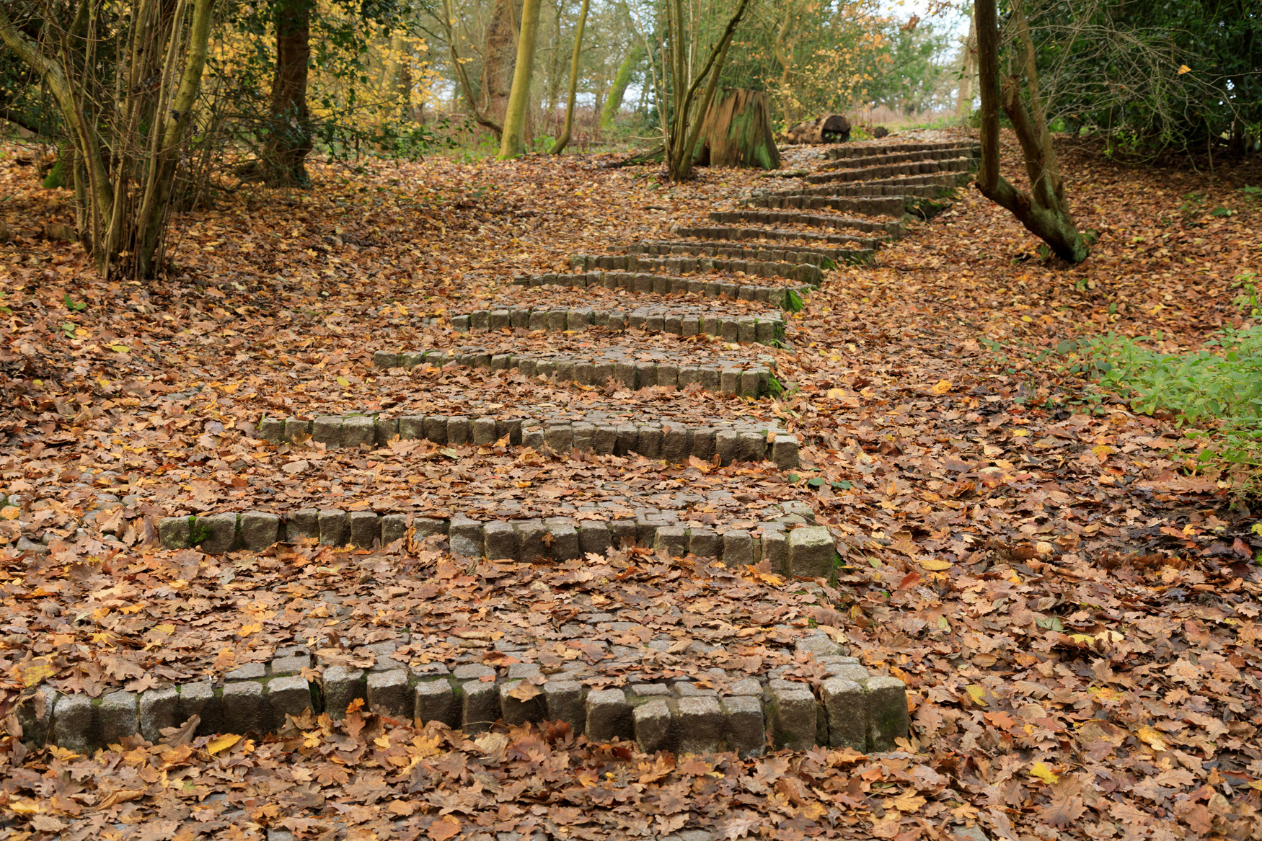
x: 1045, y: 212
x: 573, y: 80
x: 289, y: 134
x: 518, y: 104
x: 464, y: 79
x: 832, y: 128
x: 968, y: 52
x: 619, y: 88
x: 499, y: 59
x: 739, y: 132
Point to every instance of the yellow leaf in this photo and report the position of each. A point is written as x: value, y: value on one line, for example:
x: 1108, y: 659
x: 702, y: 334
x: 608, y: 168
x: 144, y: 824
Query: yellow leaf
x: 1102, y: 451
x: 222, y: 743
x: 344, y: 381
x: 1020, y: 432
x: 10, y: 513
x: 1151, y: 738
x: 835, y: 393
x: 119, y: 348
x: 36, y: 671
x: 1014, y: 577
x: 978, y: 693
x: 942, y: 387
x: 246, y: 630
x: 1183, y: 70
x: 25, y: 807
x: 935, y: 565
x: 1043, y: 771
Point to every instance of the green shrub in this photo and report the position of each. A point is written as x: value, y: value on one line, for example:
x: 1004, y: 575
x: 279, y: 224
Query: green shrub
x: 1216, y: 393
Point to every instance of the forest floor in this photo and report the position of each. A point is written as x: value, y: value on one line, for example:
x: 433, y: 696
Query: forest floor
x: 1077, y: 617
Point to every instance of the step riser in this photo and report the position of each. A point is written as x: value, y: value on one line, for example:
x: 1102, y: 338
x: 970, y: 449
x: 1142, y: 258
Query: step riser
x: 765, y: 329
x: 888, y: 206
x: 675, y: 444
x: 770, y: 217
x: 793, y: 546
x: 632, y: 375
x: 856, y: 191
x: 924, y: 168
x: 804, y: 273
x: 843, y: 152
x: 897, y: 159
x: 851, y: 709
x: 739, y: 234
x: 657, y: 284
x: 785, y: 254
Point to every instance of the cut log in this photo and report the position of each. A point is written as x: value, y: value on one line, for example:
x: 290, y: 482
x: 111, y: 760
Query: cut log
x: 739, y: 132
x: 832, y: 128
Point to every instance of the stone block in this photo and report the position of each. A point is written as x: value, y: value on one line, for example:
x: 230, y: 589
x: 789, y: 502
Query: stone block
x: 559, y: 437
x: 744, y: 725
x: 500, y: 541
x: 271, y: 430
x: 359, y: 431
x: 175, y: 533
x: 480, y: 706
x: 773, y: 547
x: 327, y: 430
x: 215, y: 534
x: 887, y: 716
x: 157, y: 709
x: 437, y: 700
x: 384, y: 430
x: 608, y: 716
x: 435, y: 429
x: 811, y: 552
x: 675, y: 446
x: 786, y: 452
x: 624, y: 532
x: 457, y: 430
x: 594, y: 537
x: 737, y: 548
x: 301, y: 524
x: 247, y: 672
x: 649, y: 443
x: 484, y: 431
x: 698, y: 724
x: 702, y: 443
x: 792, y: 717
x: 516, y: 711
x: 200, y: 700
x: 604, y: 440
x: 465, y: 536
x: 529, y: 535
x: 334, y: 529
x: 258, y: 530
x: 628, y: 438
x: 389, y: 693
x: 727, y: 446
x: 296, y: 430
x: 751, y: 446
x: 472, y: 671
x: 671, y: 539
x: 72, y: 726
x: 412, y: 427
x: 564, y: 701
x: 704, y: 542
x: 564, y: 541
x: 393, y: 528
x: 584, y: 435
x: 652, y: 721
x: 286, y: 697
x: 342, y: 685
x: 242, y: 708
x: 35, y: 715
x: 846, y: 705
x: 819, y: 644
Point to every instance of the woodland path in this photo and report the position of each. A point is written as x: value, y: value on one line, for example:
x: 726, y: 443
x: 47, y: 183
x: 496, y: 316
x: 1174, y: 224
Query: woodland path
x: 500, y: 471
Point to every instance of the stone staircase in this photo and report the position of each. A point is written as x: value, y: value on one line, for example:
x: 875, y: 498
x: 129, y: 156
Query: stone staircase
x: 701, y: 314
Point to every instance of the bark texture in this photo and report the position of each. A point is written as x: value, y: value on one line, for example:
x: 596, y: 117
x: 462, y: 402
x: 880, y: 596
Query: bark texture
x: 739, y: 132
x: 289, y: 134
x: 573, y: 80
x: 513, y: 127
x: 832, y: 128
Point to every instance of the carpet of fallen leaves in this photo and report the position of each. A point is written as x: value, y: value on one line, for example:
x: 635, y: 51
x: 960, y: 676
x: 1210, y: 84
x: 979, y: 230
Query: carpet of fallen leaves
x: 1077, y: 618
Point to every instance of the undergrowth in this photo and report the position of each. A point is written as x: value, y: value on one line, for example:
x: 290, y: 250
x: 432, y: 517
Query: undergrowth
x: 1215, y: 393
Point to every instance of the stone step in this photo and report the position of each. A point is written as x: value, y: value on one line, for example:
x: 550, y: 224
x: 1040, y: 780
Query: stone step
x: 777, y: 217
x: 748, y: 374
x: 768, y: 327
x: 850, y: 709
x: 732, y: 440
x: 637, y: 282
x: 816, y: 255
x: 923, y: 187
x: 894, y: 206
x: 810, y: 274
x: 863, y: 161
x: 918, y: 168
x: 778, y: 235
x: 869, y: 149
x: 793, y: 544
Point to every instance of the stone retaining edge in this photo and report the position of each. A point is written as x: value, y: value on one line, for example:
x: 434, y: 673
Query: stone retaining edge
x: 816, y: 256
x: 961, y: 164
x: 771, y: 217
x: 647, y: 440
x: 805, y: 273
x: 793, y: 544
x: 637, y: 282
x: 766, y: 328
x: 749, y: 382
x: 840, y: 152
x: 720, y: 232
x: 954, y: 152
x: 851, y: 709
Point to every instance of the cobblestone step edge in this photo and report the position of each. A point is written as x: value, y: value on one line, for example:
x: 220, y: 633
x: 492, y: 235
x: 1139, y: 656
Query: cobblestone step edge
x: 778, y: 217
x: 637, y: 282
x: 750, y: 382
x: 805, y: 273
x: 676, y: 444
x: 955, y: 152
x: 815, y: 255
x: 919, y: 168
x: 851, y: 709
x: 717, y: 232
x: 840, y: 152
x: 793, y: 544
x: 917, y: 185
x: 766, y: 328
x: 894, y: 205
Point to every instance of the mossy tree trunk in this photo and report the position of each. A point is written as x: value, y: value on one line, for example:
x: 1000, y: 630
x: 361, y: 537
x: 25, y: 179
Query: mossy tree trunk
x: 573, y: 80
x: 739, y: 132
x: 513, y: 142
x: 619, y: 87
x: 289, y: 135
x: 1044, y: 212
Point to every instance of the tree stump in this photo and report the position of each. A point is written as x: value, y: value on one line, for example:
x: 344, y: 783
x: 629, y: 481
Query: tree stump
x: 832, y: 128
x: 738, y: 132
